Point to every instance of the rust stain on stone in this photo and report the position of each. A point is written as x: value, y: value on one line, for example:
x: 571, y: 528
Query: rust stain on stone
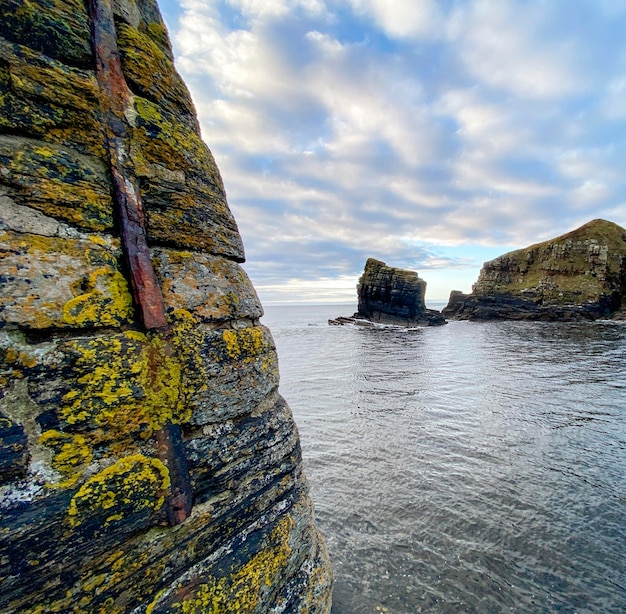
x: 117, y: 101
x: 172, y: 453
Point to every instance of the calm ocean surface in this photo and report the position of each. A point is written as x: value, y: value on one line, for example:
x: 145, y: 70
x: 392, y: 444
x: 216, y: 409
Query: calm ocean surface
x: 475, y: 467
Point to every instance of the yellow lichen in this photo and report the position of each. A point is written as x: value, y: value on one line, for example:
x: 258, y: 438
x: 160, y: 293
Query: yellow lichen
x: 158, y: 32
x: 107, y: 302
x: 72, y: 454
x: 163, y: 139
x: 20, y: 358
x: 149, y: 69
x: 122, y: 388
x: 60, y: 183
x: 83, y: 271
x: 132, y: 484
x: 98, y: 240
x: 121, y: 567
x: 129, y: 385
x: 245, y: 344
x: 153, y: 603
x: 240, y: 591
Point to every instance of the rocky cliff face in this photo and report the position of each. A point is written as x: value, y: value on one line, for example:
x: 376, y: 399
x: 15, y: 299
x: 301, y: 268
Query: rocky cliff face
x: 579, y: 275
x: 393, y: 296
x: 147, y: 462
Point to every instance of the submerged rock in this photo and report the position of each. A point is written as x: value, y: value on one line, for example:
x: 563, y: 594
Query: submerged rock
x: 580, y: 275
x: 388, y: 295
x: 143, y: 468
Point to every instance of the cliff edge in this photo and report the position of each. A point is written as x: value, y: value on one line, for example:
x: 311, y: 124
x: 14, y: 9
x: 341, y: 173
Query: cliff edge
x: 147, y: 461
x: 580, y: 275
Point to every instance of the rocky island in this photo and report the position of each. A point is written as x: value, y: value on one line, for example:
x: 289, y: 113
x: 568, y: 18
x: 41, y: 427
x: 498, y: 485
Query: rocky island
x: 388, y: 295
x: 580, y: 275
x: 148, y: 463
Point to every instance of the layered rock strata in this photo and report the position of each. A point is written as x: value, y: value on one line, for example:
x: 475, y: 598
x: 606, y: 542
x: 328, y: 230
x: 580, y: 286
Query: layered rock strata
x: 388, y: 295
x: 147, y: 461
x: 580, y: 275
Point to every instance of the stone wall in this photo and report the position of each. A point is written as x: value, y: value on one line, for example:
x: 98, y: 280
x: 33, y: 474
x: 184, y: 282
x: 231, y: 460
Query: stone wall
x: 143, y: 468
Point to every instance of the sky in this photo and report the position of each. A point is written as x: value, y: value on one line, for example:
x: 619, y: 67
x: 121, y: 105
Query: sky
x: 432, y: 135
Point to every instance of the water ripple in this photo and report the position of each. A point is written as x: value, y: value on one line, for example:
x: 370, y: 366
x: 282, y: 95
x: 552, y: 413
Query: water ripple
x: 468, y: 468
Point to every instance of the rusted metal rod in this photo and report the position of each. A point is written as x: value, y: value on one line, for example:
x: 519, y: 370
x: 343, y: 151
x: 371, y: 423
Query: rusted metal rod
x: 116, y: 103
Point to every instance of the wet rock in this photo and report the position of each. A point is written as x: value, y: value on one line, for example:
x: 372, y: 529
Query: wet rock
x: 14, y: 455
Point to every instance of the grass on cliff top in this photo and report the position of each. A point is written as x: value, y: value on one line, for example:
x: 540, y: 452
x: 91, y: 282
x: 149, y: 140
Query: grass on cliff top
x: 603, y: 231
x: 538, y: 264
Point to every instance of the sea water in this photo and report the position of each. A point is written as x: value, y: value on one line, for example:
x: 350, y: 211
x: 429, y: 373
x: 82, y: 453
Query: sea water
x: 474, y: 467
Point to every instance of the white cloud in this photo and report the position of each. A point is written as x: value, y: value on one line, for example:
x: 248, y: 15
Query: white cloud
x: 501, y: 44
x: 577, y: 164
x: 271, y: 9
x: 329, y: 46
x: 488, y: 126
x: 415, y: 18
x: 341, y: 289
x: 481, y: 126
x: 261, y: 8
x: 590, y: 193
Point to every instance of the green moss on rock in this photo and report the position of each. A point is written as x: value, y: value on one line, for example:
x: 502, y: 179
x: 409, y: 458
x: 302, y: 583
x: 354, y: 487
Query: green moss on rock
x: 57, y: 181
x: 43, y: 98
x: 164, y: 140
x: 181, y: 185
x: 56, y: 28
x: 580, y: 275
x: 151, y: 73
x: 584, y: 265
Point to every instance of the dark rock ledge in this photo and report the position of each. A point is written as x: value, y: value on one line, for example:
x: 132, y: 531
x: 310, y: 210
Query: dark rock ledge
x: 391, y: 296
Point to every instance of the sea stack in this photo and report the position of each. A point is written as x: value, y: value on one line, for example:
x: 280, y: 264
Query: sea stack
x: 147, y: 460
x: 580, y: 275
x: 389, y: 295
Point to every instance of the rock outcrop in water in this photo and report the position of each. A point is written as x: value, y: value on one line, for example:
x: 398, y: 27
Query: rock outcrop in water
x: 389, y: 295
x: 147, y: 461
x: 580, y: 275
